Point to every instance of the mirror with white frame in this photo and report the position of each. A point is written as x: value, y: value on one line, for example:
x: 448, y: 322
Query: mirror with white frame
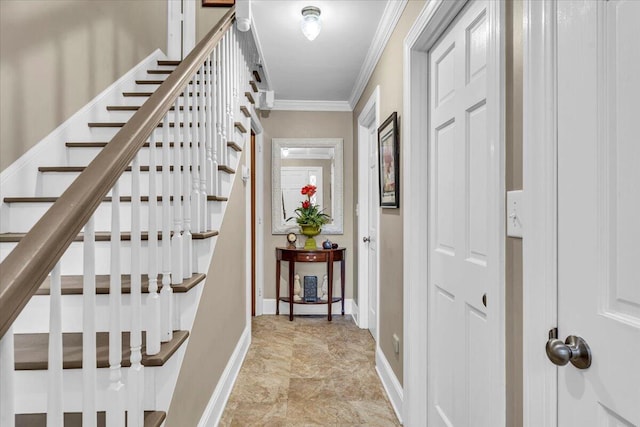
x: 297, y: 162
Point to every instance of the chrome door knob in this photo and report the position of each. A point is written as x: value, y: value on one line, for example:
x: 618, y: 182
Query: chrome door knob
x: 366, y: 239
x: 574, y: 349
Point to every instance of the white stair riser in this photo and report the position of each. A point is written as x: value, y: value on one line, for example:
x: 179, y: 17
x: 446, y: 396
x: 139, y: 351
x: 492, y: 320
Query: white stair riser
x: 72, y: 259
x: 35, y: 316
x: 23, y: 216
x: 82, y: 156
x: 31, y: 387
x: 53, y: 184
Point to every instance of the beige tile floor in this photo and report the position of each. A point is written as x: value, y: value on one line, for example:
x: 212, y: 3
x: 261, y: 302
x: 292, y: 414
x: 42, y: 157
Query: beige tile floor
x: 308, y: 372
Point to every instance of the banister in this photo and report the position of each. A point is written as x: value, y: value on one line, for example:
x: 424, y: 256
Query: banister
x: 25, y: 268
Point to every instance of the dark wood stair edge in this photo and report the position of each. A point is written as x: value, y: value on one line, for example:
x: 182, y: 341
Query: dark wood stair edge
x: 125, y: 199
x: 245, y: 111
x: 240, y: 127
x: 105, y: 236
x: 31, y: 350
x: 253, y: 85
x: 227, y: 169
x: 250, y: 97
x: 76, y: 169
x: 74, y: 419
x: 72, y: 285
x: 234, y: 146
x: 121, y: 124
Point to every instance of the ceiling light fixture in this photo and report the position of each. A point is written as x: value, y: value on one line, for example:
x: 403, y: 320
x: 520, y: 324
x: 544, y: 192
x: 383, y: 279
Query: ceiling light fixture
x: 311, y: 24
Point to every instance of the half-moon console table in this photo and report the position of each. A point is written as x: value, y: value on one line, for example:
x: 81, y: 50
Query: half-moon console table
x: 315, y: 255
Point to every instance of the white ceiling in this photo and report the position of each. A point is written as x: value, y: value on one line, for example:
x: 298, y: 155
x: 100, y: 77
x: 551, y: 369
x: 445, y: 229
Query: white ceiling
x: 327, y: 68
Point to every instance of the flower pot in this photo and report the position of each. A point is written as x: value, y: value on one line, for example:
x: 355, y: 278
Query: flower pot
x: 310, y: 231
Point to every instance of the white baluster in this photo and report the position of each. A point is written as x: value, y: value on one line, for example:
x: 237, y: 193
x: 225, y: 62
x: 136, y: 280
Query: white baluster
x: 186, y: 187
x: 115, y: 400
x: 166, y: 293
x: 135, y: 415
x: 55, y: 412
x: 196, y: 201
x: 228, y: 126
x: 211, y: 172
x: 177, y: 247
x: 7, y: 393
x: 219, y: 113
x: 224, y: 74
x: 89, y: 363
x: 212, y: 180
x: 153, y: 299
x: 203, y: 102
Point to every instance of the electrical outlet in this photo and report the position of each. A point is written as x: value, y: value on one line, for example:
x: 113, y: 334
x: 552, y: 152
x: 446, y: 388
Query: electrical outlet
x: 396, y: 343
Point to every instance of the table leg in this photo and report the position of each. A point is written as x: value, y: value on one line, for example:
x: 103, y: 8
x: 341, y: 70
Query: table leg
x: 277, y: 287
x: 330, y: 280
x: 292, y: 269
x: 342, y: 267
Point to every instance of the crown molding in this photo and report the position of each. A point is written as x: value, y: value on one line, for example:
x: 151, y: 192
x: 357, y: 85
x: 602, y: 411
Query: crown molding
x: 390, y: 17
x: 303, y: 105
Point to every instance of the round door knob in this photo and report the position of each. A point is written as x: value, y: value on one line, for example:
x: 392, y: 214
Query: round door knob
x: 574, y: 349
x: 366, y: 239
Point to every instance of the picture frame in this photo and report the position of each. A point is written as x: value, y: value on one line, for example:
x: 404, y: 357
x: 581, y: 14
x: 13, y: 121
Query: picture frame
x: 218, y: 3
x: 389, y: 162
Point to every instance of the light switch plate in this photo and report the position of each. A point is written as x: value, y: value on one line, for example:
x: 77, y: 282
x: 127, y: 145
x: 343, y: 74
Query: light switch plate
x: 515, y: 221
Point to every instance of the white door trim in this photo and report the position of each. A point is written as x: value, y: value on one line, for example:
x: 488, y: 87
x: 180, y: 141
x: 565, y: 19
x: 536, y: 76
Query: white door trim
x: 540, y: 203
x: 256, y: 127
x: 433, y: 20
x: 181, y: 27
x: 370, y: 116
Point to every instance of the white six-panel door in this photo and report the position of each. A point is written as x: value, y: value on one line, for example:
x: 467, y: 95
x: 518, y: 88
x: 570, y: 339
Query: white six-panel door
x: 599, y: 209
x: 462, y: 221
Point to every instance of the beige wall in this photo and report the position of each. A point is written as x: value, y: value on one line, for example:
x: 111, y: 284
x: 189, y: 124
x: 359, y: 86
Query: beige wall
x: 206, y: 18
x: 513, y: 294
x: 220, y: 320
x: 388, y: 75
x: 55, y: 56
x: 301, y: 124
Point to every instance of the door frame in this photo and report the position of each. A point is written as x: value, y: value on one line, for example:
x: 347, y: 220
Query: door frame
x: 258, y: 267
x: 181, y: 28
x: 539, y: 244
x: 369, y: 116
x: 434, y: 19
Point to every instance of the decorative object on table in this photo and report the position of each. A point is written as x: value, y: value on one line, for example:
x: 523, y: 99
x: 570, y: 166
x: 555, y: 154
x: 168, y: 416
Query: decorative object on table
x: 310, y: 288
x: 325, y: 288
x: 326, y: 244
x: 388, y: 162
x: 291, y: 240
x: 334, y: 246
x: 218, y: 3
x: 309, y: 217
x: 297, y: 289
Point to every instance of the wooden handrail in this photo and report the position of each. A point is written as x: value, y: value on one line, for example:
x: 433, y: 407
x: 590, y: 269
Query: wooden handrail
x: 26, y: 267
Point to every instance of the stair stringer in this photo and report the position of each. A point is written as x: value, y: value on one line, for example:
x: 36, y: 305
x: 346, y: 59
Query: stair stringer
x: 21, y: 178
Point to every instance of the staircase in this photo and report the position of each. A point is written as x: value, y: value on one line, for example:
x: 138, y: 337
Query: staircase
x: 104, y: 262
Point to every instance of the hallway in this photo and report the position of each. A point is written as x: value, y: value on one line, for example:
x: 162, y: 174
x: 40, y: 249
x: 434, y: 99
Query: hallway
x: 308, y: 372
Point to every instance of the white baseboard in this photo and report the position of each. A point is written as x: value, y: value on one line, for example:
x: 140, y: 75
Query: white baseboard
x: 213, y: 412
x: 389, y: 382
x: 355, y: 313
x: 269, y: 307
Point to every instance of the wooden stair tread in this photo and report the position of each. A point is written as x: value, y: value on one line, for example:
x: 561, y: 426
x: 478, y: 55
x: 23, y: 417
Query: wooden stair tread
x: 73, y: 285
x: 105, y: 236
x: 254, y: 85
x: 245, y: 111
x: 240, y: 127
x: 159, y: 82
x: 147, y: 94
x: 256, y: 75
x: 121, y: 124
x: 31, y: 350
x: 234, y: 146
x: 102, y: 144
x: 137, y: 107
x: 74, y: 419
x: 82, y: 168
x: 250, y: 97
x: 227, y: 169
x: 169, y: 62
x: 125, y: 199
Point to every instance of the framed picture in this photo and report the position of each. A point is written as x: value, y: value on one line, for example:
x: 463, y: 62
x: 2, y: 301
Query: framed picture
x: 214, y: 3
x: 388, y: 162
